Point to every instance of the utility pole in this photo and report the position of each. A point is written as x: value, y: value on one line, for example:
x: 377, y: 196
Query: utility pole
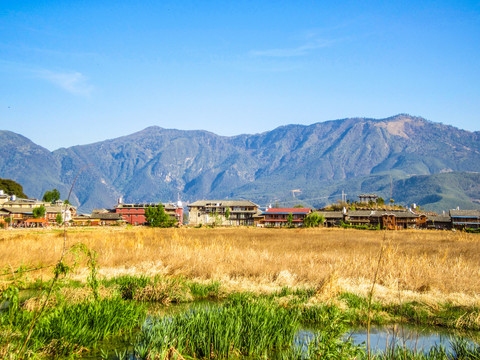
x: 391, y: 187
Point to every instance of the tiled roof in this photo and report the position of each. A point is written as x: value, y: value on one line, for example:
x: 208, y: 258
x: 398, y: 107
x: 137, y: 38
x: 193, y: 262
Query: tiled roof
x: 36, y: 220
x: 465, y: 213
x: 361, y: 213
x: 222, y: 203
x: 18, y: 210
x: 439, y: 218
x: 107, y: 216
x: 331, y: 214
x: 288, y: 211
x: 57, y: 208
x: 145, y: 205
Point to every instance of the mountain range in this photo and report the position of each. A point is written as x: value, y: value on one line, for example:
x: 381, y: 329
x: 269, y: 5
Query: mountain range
x: 408, y: 158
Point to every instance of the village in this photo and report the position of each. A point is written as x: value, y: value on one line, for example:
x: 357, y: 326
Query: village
x: 367, y: 213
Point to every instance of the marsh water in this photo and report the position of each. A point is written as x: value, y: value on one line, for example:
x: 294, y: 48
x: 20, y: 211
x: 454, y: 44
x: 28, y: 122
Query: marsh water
x: 381, y: 338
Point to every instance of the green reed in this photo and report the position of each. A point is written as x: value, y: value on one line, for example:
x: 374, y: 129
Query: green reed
x: 242, y: 326
x: 69, y: 329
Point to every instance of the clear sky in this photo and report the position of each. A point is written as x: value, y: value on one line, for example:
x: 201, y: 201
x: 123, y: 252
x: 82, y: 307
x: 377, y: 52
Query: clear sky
x: 76, y: 72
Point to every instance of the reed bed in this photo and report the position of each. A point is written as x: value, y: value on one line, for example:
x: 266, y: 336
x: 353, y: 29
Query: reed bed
x: 68, y: 329
x: 242, y: 327
x: 428, y: 265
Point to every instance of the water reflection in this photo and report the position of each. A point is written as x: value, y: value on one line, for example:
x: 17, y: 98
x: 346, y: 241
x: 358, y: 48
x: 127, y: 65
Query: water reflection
x: 382, y: 339
x: 416, y: 338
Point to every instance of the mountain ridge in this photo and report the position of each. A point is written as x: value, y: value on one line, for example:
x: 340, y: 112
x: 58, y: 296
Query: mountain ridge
x: 158, y: 164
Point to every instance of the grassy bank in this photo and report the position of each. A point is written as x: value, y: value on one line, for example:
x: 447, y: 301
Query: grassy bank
x: 286, y: 276
x: 244, y: 324
x: 430, y: 265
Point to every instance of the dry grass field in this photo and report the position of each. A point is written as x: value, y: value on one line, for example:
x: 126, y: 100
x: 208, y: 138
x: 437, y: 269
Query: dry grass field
x: 429, y: 266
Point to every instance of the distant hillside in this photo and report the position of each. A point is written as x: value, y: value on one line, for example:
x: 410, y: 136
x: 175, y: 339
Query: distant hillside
x: 439, y: 191
x: 354, y: 155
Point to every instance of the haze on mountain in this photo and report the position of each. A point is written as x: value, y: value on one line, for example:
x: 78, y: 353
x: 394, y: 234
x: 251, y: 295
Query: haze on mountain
x: 404, y: 157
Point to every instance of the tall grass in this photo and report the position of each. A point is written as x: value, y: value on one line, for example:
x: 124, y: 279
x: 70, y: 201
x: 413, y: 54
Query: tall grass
x: 242, y: 326
x: 461, y: 350
x: 430, y: 265
x: 69, y: 329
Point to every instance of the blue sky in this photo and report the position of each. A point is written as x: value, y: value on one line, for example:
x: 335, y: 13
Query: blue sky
x: 76, y: 72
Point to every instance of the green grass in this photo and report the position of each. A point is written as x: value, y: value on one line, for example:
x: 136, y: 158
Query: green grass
x: 203, y: 291
x: 244, y: 325
x: 69, y: 329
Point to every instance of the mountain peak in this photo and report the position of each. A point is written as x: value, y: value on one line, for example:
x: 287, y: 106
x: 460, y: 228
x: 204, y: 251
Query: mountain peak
x: 156, y: 164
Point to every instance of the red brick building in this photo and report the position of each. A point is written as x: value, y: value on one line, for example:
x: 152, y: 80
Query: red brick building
x: 134, y: 214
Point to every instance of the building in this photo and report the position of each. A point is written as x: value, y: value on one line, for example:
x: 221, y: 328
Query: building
x: 19, y: 210
x: 332, y: 218
x: 134, y: 214
x: 66, y: 211
x: 390, y: 220
x: 104, y: 217
x: 359, y: 217
x: 463, y: 219
x: 259, y: 219
x: 368, y: 198
x: 439, y: 222
x: 17, y: 215
x: 222, y: 212
x: 277, y: 217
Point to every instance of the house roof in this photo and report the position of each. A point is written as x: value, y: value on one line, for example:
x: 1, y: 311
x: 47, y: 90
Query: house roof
x: 82, y: 217
x: 145, y: 205
x: 57, y: 208
x: 400, y: 214
x: 288, y: 211
x: 36, y: 220
x: 439, y: 218
x: 222, y: 203
x: 18, y: 210
x: 361, y: 213
x: 331, y: 214
x: 465, y: 213
x: 100, y: 211
x: 107, y: 216
x: 376, y: 213
x: 19, y: 201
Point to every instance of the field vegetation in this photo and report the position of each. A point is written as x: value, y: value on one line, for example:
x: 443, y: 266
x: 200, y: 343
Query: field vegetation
x: 269, y: 282
x: 436, y: 265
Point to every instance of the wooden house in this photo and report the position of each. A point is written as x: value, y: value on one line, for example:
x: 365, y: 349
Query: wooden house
x: 332, y: 218
x: 278, y: 217
x: 463, y: 219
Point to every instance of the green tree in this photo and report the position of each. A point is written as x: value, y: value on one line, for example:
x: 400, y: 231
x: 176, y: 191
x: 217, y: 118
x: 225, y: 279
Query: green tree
x: 227, y: 213
x: 217, y: 219
x: 59, y: 219
x: 11, y: 187
x: 290, y: 219
x: 313, y: 219
x: 39, y: 212
x: 51, y: 196
x: 380, y: 201
x: 157, y: 217
x: 298, y: 206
